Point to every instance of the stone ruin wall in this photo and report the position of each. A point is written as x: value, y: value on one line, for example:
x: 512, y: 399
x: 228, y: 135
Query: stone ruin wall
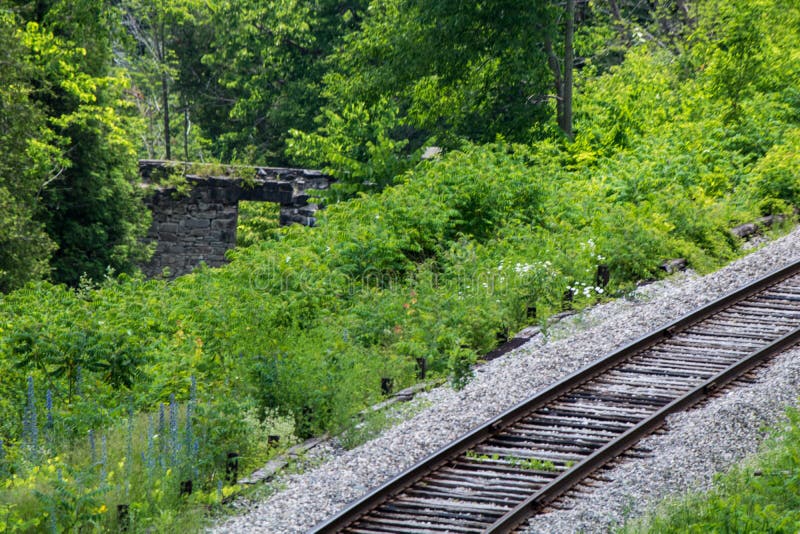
x: 200, y: 225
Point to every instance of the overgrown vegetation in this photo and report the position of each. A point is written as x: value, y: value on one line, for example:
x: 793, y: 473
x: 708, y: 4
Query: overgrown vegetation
x: 67, y: 145
x: 685, y: 124
x: 534, y: 464
x: 761, y: 495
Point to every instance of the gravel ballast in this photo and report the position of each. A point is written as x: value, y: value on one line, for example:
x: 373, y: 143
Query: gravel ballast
x: 698, y: 444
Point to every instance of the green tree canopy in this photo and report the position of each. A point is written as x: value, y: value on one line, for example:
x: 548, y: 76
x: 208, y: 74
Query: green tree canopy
x: 466, y: 69
x: 25, y: 165
x: 87, y: 199
x: 421, y: 73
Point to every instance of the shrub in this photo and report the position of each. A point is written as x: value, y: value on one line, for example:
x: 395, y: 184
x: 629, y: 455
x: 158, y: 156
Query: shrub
x: 776, y: 176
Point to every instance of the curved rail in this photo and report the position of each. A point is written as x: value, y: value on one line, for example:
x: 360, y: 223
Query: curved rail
x: 494, y: 477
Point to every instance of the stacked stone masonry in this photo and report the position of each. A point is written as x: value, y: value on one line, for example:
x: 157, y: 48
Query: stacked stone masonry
x: 199, y: 225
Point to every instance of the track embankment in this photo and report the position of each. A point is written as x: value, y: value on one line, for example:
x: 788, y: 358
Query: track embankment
x: 316, y: 495
x: 510, y: 468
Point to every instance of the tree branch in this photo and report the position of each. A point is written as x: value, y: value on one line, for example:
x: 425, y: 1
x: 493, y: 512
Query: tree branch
x: 555, y: 67
x: 540, y: 99
x: 290, y: 42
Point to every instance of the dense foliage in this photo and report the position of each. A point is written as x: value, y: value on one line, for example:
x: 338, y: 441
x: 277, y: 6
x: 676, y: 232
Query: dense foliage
x: 68, y: 154
x: 24, y: 245
x: 117, y: 389
x: 239, y: 72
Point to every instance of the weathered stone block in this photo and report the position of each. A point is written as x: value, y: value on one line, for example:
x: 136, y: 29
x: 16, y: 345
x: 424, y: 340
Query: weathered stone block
x: 223, y: 224
x: 169, y: 228
x: 200, y: 249
x: 197, y: 223
x: 170, y: 248
x: 168, y: 237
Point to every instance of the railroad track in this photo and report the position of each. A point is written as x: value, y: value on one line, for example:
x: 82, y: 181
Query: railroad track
x: 495, y: 477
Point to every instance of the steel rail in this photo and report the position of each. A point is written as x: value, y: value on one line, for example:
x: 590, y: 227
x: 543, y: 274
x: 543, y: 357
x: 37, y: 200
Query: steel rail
x: 561, y: 483
x: 571, y: 477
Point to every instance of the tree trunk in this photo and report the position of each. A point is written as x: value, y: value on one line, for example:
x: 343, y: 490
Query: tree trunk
x: 619, y: 23
x: 684, y: 9
x: 555, y: 66
x: 186, y: 132
x: 565, y: 122
x: 165, y: 104
x: 161, y: 46
x: 615, y: 10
